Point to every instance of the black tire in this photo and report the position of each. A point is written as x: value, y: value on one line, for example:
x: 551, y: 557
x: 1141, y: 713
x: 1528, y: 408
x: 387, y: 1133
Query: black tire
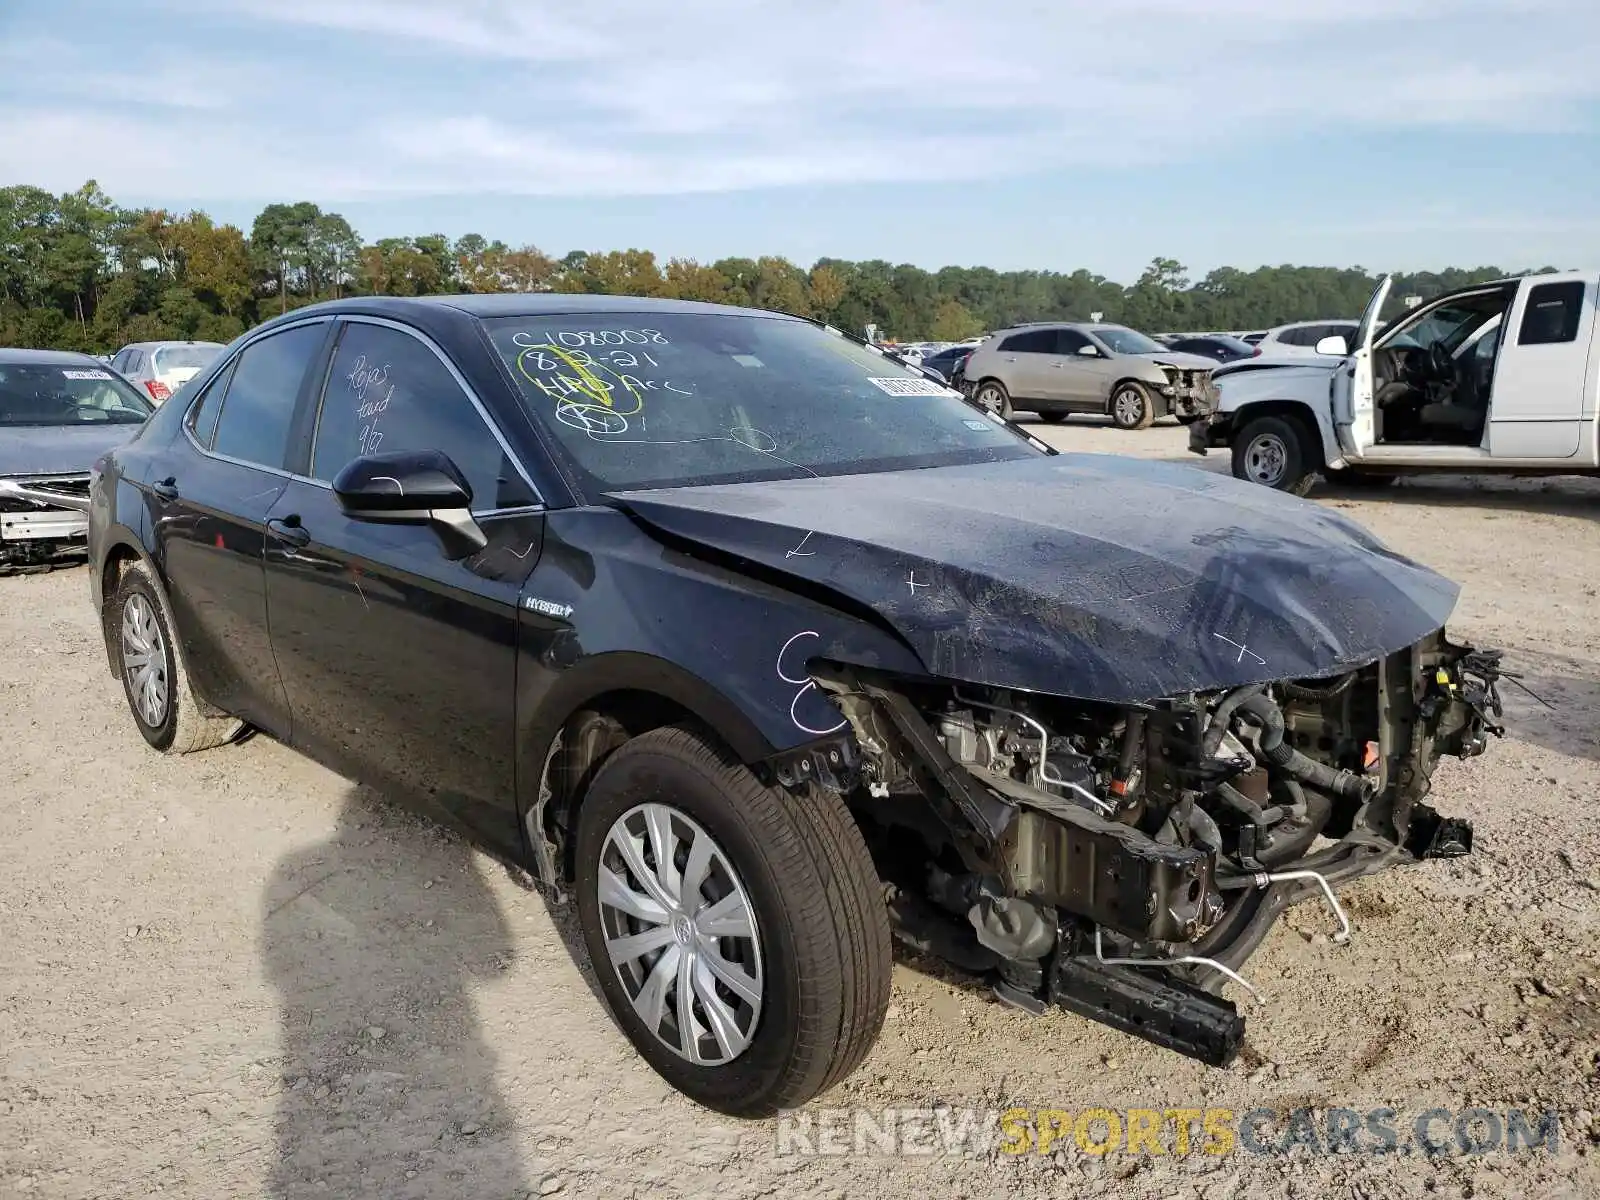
x: 991, y: 394
x: 818, y: 910
x: 1052, y: 418
x: 180, y: 723
x: 1272, y: 451
x: 1131, y: 406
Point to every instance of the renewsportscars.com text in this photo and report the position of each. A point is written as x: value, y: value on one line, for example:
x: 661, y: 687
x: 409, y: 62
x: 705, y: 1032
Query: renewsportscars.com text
x: 1164, y: 1131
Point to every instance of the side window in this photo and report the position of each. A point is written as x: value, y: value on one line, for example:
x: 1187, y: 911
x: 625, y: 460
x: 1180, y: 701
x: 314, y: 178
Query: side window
x: 1552, y: 314
x: 388, y: 391
x: 203, y: 415
x: 1035, y: 341
x: 258, y: 406
x: 1070, y: 341
x: 1304, y: 335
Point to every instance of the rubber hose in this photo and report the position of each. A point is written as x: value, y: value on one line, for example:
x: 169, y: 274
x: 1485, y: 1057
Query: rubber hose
x: 1276, y: 751
x: 1224, y: 714
x: 1319, y: 809
x: 1237, y: 800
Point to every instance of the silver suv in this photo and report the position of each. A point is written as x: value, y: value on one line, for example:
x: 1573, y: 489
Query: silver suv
x: 1055, y: 369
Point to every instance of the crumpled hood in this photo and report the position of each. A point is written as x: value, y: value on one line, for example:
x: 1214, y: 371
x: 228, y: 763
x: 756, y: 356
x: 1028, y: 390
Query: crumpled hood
x: 1091, y: 576
x: 1184, y: 362
x: 1322, y: 364
x: 58, y: 449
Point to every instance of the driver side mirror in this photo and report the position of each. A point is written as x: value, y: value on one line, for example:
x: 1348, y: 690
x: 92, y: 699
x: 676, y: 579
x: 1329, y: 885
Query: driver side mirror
x: 1088, y: 352
x: 1333, y: 344
x: 412, y: 487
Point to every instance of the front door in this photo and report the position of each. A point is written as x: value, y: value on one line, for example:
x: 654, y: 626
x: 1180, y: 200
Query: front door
x: 400, y: 663
x: 1086, y: 377
x: 1352, y: 387
x: 210, y: 517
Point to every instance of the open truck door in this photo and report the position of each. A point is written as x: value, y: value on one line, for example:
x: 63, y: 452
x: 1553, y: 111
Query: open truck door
x: 1352, y: 383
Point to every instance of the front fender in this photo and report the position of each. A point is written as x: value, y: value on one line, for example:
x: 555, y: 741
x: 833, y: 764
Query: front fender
x: 1243, y: 395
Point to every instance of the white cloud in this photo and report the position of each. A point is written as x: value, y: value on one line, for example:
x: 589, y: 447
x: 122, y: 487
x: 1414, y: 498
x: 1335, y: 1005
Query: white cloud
x: 343, y: 99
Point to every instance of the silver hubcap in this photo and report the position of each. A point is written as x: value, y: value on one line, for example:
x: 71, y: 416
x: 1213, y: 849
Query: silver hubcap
x: 1130, y: 406
x: 1266, y: 458
x: 681, y: 934
x: 144, y: 660
x: 989, y: 397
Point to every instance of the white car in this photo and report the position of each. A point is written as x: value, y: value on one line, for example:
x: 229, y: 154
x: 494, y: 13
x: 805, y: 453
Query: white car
x: 161, y: 368
x: 1301, y: 337
x: 1445, y: 386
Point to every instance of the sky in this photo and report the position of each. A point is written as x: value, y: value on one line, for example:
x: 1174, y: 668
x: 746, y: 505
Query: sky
x: 1388, y: 134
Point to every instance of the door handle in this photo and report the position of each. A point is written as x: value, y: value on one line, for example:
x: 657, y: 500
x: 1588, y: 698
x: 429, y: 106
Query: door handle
x: 289, y: 530
x: 166, y: 488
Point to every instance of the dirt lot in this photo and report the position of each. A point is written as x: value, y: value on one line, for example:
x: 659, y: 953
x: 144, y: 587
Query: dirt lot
x: 238, y: 975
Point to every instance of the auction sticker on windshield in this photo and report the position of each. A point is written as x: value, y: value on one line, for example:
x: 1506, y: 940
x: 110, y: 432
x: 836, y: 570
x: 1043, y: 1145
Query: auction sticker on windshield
x: 70, y: 374
x: 910, y: 387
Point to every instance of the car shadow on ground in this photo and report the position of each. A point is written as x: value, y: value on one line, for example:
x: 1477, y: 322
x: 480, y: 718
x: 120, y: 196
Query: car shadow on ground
x: 1560, y: 496
x: 1552, y: 706
x: 373, y: 940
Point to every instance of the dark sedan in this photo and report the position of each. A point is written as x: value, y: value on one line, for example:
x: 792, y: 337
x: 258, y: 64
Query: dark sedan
x: 59, y: 412
x: 771, y: 649
x: 945, y: 362
x: 1217, y: 346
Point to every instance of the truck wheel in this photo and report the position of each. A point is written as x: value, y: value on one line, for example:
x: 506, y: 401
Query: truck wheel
x: 147, y: 658
x: 738, y: 931
x: 1131, y: 407
x: 1271, y: 451
x: 992, y: 395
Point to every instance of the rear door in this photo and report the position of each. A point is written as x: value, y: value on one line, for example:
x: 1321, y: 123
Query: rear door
x: 1539, y: 400
x: 399, y: 663
x: 1352, y: 388
x: 1025, y: 361
x: 226, y: 470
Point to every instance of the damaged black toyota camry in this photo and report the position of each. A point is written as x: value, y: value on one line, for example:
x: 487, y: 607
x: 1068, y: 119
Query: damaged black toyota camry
x: 770, y: 650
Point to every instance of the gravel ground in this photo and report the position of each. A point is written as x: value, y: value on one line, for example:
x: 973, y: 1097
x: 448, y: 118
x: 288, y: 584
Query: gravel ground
x: 237, y: 975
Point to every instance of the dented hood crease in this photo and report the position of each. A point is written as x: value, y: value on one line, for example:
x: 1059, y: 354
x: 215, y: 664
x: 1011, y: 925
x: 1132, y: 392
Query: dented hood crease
x: 1091, y: 576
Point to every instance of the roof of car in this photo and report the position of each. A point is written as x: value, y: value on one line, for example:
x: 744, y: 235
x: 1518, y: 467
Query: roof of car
x: 520, y: 304
x: 167, y: 342
x: 18, y: 355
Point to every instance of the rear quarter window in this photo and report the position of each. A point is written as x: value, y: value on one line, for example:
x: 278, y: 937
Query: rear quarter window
x: 1551, y: 315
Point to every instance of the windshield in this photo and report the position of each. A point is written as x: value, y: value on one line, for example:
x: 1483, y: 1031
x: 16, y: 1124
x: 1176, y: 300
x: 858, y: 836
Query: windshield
x: 47, y: 394
x: 647, y: 400
x: 1449, y: 324
x: 178, y: 358
x: 1122, y: 340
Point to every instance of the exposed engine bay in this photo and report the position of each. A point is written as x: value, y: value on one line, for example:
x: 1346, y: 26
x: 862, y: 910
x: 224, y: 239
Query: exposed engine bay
x: 1190, y: 392
x: 1124, y: 861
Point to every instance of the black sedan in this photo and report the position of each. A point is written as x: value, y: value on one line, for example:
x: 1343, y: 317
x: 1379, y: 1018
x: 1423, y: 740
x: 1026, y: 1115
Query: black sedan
x: 1216, y: 345
x: 947, y: 360
x: 771, y: 649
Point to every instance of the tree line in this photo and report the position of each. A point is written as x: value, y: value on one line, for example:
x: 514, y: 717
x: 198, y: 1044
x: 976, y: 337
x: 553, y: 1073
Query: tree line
x: 79, y: 272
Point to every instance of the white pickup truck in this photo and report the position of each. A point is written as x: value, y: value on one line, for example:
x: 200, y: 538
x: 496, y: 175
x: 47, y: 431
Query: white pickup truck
x: 1499, y: 376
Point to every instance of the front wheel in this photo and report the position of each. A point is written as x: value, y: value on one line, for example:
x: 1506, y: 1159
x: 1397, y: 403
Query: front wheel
x: 1131, y: 406
x: 993, y: 396
x: 738, y: 931
x: 1272, y: 451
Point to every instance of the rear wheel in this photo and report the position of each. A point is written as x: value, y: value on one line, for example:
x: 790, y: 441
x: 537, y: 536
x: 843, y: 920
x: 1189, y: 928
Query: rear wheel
x: 738, y: 931
x: 992, y: 395
x: 149, y: 661
x: 1131, y: 406
x: 1272, y: 451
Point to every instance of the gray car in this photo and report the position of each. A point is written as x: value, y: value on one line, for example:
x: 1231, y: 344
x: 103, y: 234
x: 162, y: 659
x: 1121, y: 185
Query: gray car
x: 59, y: 413
x: 1058, y: 368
